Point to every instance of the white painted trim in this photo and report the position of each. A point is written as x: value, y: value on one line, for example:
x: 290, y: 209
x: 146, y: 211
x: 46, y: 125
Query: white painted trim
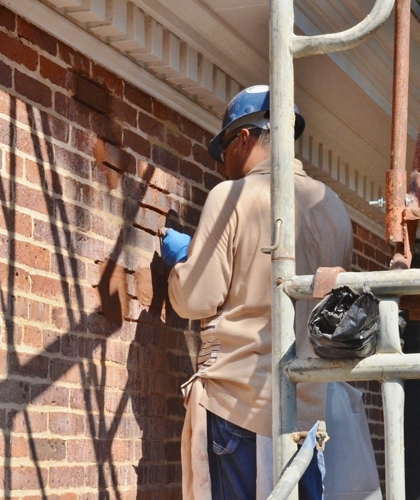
x: 203, y: 31
x: 78, y: 38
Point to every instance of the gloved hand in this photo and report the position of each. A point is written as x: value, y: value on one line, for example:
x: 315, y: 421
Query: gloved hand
x: 175, y: 247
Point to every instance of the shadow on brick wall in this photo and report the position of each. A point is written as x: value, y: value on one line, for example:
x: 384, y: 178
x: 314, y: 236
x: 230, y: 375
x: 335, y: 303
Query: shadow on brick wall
x: 157, y: 359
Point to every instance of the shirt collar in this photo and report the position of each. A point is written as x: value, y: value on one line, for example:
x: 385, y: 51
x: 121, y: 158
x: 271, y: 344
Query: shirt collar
x: 264, y: 168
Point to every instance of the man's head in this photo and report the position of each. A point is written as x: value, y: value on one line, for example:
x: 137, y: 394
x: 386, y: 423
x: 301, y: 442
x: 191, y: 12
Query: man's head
x: 246, y: 129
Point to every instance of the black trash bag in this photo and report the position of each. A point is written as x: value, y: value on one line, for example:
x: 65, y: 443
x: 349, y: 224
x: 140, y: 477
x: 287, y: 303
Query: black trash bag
x: 345, y: 325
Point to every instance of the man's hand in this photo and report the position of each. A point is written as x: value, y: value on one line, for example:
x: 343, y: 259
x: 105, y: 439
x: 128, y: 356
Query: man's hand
x: 174, y: 246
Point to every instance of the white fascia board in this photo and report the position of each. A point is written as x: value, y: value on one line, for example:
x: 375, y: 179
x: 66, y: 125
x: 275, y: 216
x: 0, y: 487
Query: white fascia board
x: 86, y: 43
x: 205, y: 32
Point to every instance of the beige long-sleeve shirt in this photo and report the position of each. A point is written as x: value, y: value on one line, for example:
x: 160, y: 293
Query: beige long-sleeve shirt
x: 226, y: 282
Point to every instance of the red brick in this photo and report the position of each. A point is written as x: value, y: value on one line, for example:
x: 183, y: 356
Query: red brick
x: 149, y: 219
x: 363, y: 233
x: 51, y: 341
x: 178, y: 187
x: 28, y: 477
x: 28, y: 365
x: 86, y: 246
x: 104, y: 227
x: 72, y: 110
x: 67, y: 424
x: 133, y: 189
x: 105, y: 128
x: 180, y: 143
x: 69, y: 346
x: 81, y: 450
x: 198, y: 196
x: 46, y: 232
x: 77, y: 62
x: 50, y: 395
x: 50, y: 126
x: 7, y: 18
x: 83, y: 141
x: 6, y: 132
x: 382, y: 259
x: 65, y: 371
x: 357, y: 245
x: 162, y: 112
x: 123, y: 112
x: 91, y: 95
x: 18, y: 52
x: 121, y: 449
x: 19, y: 447
x: 137, y: 143
x: 374, y: 266
x: 116, y: 352
x: 21, y: 111
x: 16, y: 222
x: 32, y: 336
x: 50, y: 449
x: 151, y: 127
x: 38, y: 311
x: 44, y: 177
x: 5, y: 74
x: 37, y: 422
x: 66, y: 477
x: 68, y: 266
x: 191, y: 130
x: 202, y: 156
x: 165, y: 159
x: 61, y: 319
x: 33, y: 89
x: 49, y: 288
x: 138, y: 98
x: 108, y: 80
x: 14, y: 391
x: 113, y: 156
x: 71, y: 161
x: 211, y: 180
x: 33, y: 145
x: 36, y: 36
x: 191, y: 171
x: 74, y: 215
x: 53, y: 72
x: 32, y: 255
x: 13, y: 164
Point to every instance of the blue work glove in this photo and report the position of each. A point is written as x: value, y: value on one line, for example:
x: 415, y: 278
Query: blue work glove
x: 175, y: 247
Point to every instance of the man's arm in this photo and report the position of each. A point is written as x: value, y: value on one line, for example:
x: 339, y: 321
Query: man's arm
x: 199, y: 286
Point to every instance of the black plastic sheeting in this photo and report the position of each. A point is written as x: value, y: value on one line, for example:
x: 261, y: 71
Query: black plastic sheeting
x: 345, y: 325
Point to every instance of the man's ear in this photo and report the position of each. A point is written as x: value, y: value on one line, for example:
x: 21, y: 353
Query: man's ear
x: 245, y: 142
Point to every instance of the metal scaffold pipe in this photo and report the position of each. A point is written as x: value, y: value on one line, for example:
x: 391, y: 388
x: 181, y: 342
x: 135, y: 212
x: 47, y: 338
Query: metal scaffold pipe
x: 343, y: 40
x: 282, y: 208
x: 284, y: 45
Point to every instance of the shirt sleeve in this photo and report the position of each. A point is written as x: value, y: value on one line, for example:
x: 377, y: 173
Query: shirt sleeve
x: 199, y: 286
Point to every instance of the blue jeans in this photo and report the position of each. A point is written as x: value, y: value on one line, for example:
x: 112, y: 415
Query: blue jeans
x: 232, y: 460
x: 233, y: 465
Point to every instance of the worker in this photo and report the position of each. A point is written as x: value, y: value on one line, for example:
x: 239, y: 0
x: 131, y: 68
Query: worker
x: 222, y: 278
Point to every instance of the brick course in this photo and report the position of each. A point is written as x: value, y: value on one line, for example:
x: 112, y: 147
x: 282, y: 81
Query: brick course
x: 92, y: 357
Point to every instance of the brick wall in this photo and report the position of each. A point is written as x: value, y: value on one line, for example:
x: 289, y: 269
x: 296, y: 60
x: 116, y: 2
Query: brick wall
x: 92, y: 356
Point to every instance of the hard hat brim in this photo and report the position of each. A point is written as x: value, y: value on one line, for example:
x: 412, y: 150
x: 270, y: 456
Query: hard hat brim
x: 215, y: 145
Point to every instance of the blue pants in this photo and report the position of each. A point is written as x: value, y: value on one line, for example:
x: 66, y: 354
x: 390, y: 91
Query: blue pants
x: 233, y: 465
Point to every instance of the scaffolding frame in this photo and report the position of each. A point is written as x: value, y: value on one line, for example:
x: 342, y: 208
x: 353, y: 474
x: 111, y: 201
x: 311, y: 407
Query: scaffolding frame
x: 390, y: 366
